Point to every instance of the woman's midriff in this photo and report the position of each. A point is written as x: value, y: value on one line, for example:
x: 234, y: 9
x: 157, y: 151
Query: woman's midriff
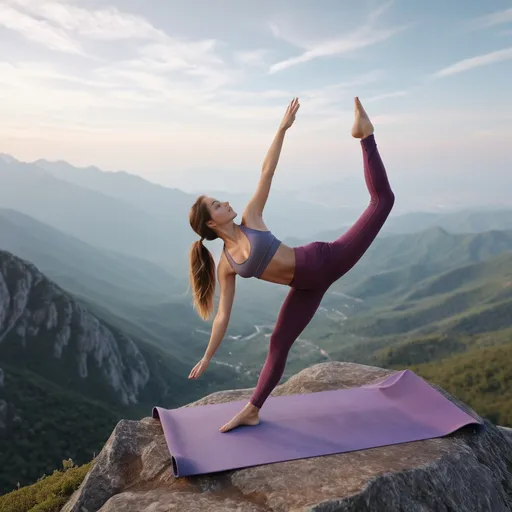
x: 281, y: 268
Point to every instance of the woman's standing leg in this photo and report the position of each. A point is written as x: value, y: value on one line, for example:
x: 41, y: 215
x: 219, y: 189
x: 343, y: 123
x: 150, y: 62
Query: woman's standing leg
x: 297, y: 310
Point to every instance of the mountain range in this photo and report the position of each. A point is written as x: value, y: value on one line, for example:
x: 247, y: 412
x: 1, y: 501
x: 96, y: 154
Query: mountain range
x: 172, y: 205
x: 124, y: 213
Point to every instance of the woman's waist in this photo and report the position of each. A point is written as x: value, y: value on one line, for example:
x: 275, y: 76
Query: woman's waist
x: 281, y: 268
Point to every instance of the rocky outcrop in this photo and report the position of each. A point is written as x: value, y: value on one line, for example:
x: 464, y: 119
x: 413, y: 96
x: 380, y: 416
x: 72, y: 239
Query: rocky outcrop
x: 3, y: 403
x: 507, y: 432
x: 3, y: 413
x: 37, y: 315
x: 462, y: 472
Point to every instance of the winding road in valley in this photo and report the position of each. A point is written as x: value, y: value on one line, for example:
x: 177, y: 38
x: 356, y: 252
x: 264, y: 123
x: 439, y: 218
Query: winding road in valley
x: 266, y: 330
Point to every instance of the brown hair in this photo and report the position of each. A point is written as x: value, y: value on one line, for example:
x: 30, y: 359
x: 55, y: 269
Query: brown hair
x: 202, y: 264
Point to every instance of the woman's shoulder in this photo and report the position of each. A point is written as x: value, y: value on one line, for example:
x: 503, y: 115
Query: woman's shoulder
x: 254, y: 222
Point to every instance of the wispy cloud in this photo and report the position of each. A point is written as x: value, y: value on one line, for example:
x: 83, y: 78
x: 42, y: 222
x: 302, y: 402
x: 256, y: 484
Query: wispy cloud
x: 496, y: 18
x: 29, y: 71
x: 183, y: 77
x: 38, y: 30
x: 255, y: 58
x: 158, y: 67
x: 104, y: 24
x: 366, y: 35
x: 319, y: 105
x: 65, y: 27
x: 475, y: 62
x: 43, y: 90
x: 386, y: 95
x: 322, y: 100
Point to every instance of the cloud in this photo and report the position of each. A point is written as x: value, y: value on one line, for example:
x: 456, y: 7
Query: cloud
x: 366, y: 35
x: 496, y: 18
x: 68, y: 28
x: 163, y: 67
x: 155, y: 81
x: 38, y: 30
x: 31, y: 87
x: 474, y: 62
x: 104, y: 24
x: 195, y: 60
x: 379, y: 97
x: 27, y: 72
x: 253, y: 58
x: 320, y: 107
x: 335, y: 94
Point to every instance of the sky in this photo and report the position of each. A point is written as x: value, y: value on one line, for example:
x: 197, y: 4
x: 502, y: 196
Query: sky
x: 189, y: 93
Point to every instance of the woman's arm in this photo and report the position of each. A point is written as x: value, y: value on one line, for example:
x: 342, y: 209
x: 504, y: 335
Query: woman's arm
x: 257, y: 203
x: 227, y: 281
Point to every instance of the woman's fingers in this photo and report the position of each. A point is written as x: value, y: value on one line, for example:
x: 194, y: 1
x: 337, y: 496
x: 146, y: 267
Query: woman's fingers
x: 193, y: 373
x: 198, y: 370
x: 293, y: 106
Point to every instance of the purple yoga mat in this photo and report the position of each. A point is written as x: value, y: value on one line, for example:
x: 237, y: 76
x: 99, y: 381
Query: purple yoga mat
x: 400, y: 408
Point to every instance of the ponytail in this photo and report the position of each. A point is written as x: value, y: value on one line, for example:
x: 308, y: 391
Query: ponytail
x: 202, y: 279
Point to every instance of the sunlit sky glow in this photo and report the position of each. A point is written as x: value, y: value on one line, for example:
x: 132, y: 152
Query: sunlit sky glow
x: 160, y: 87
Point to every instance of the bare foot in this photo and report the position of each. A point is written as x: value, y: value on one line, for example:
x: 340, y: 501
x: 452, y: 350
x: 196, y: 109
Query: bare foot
x: 249, y: 415
x: 362, y: 126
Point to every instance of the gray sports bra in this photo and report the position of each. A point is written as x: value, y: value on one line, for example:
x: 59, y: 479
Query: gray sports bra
x: 263, y: 247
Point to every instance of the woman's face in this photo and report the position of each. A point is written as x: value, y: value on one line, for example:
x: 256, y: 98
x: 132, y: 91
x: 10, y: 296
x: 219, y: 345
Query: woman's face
x: 220, y: 211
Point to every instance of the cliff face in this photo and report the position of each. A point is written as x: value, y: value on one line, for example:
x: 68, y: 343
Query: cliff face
x: 463, y: 472
x: 55, y: 336
x: 3, y: 403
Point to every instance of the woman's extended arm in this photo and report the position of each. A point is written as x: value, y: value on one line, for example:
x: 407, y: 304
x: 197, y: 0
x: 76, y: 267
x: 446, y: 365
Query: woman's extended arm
x: 221, y: 320
x: 257, y: 203
x: 227, y: 281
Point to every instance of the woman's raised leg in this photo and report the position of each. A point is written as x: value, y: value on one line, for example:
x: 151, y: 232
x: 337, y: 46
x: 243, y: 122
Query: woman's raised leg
x: 346, y: 251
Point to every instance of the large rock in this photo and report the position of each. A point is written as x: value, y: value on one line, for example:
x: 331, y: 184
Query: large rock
x: 462, y: 472
x: 507, y: 432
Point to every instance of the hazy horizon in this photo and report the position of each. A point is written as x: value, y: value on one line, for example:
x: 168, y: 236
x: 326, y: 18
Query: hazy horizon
x: 148, y: 88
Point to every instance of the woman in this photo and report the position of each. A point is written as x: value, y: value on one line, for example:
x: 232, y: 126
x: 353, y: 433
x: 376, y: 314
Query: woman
x: 251, y: 250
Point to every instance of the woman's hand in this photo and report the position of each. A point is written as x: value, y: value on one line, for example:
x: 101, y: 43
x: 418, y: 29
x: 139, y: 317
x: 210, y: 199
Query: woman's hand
x: 199, y: 369
x: 289, y: 116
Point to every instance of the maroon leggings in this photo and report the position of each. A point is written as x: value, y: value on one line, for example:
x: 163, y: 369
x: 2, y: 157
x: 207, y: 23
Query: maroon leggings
x: 318, y: 265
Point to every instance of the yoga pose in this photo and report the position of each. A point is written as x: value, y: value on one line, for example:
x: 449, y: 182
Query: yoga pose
x: 251, y: 250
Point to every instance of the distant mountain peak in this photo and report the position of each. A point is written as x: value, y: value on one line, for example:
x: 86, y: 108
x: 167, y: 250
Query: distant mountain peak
x: 437, y: 231
x: 8, y: 159
x: 57, y: 164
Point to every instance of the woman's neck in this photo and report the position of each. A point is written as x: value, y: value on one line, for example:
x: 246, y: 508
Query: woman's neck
x: 230, y: 234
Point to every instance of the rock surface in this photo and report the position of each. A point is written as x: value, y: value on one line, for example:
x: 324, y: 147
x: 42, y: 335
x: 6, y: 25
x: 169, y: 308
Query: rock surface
x: 462, y: 472
x: 507, y: 432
